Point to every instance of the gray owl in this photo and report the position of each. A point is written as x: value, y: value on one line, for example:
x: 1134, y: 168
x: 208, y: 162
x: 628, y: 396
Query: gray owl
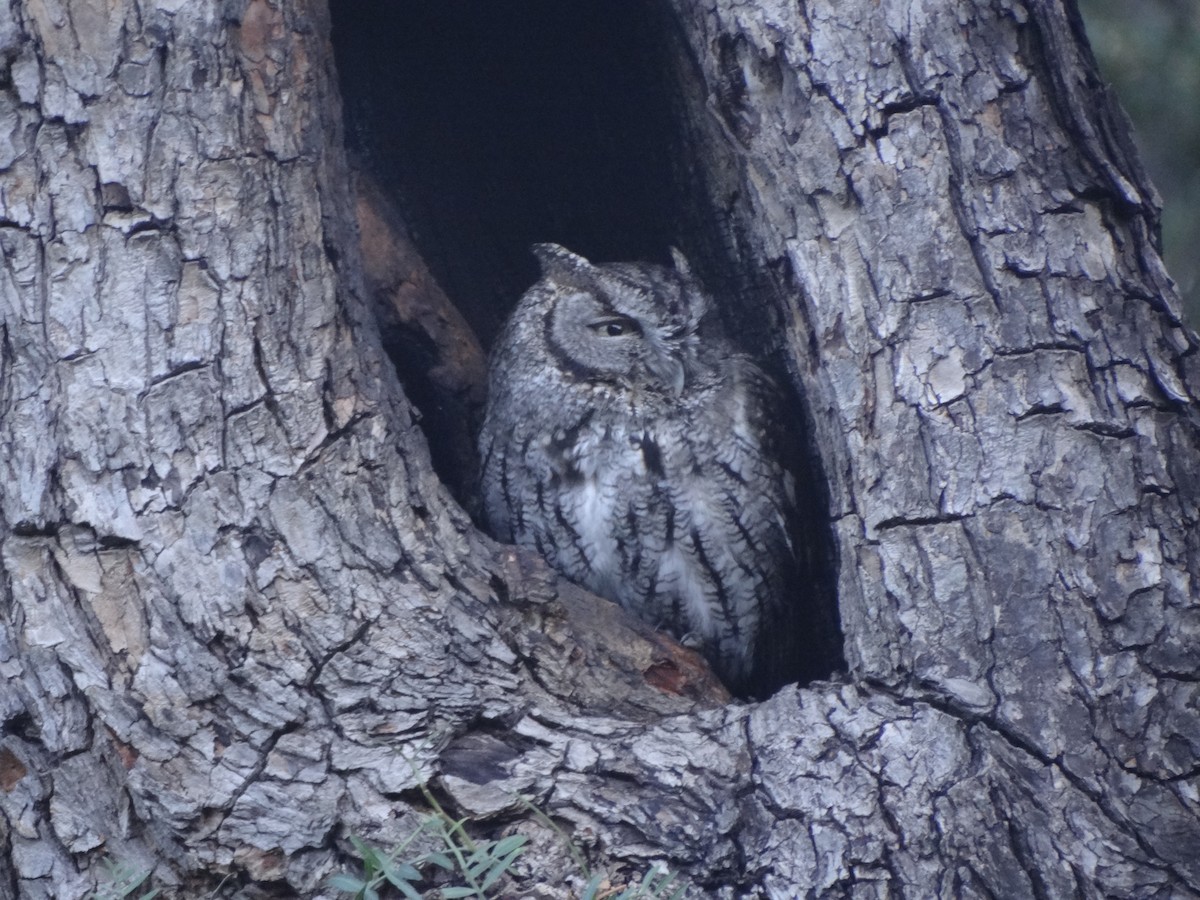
x: 629, y: 446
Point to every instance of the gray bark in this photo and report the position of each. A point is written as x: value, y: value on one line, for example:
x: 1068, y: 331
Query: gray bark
x: 243, y: 619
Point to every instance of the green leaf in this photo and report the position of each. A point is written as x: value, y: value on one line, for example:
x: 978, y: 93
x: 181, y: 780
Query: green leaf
x: 398, y: 871
x: 344, y: 881
x: 510, y: 843
x: 452, y: 892
x: 407, y: 890
x: 372, y: 860
x: 493, y: 876
x: 442, y: 861
x: 657, y: 881
x: 479, y: 862
x: 592, y: 888
x: 501, y: 865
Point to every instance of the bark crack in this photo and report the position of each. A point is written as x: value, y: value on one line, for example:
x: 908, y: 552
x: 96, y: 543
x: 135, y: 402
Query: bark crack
x: 958, y: 179
x: 948, y: 705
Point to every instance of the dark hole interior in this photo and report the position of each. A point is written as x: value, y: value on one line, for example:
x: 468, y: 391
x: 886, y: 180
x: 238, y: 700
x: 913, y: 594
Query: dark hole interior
x: 498, y: 125
x: 491, y: 126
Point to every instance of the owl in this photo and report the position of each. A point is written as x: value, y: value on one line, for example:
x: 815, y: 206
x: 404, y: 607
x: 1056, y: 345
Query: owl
x: 630, y: 444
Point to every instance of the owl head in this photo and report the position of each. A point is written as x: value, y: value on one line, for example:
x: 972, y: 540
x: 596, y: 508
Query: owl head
x: 633, y: 324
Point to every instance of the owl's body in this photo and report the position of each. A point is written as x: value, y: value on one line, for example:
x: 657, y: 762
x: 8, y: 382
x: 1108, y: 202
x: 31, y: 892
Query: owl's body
x: 631, y: 450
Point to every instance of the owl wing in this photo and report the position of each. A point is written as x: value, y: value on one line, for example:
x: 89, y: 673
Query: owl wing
x: 800, y: 638
x: 728, y: 562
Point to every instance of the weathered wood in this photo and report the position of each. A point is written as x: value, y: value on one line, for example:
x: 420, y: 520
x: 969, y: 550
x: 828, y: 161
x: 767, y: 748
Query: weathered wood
x: 243, y: 618
x: 440, y: 362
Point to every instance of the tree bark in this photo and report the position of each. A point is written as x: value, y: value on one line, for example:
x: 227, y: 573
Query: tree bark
x: 244, y: 619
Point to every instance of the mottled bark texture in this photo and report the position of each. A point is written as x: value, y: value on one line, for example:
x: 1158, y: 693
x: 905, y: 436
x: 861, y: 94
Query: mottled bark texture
x: 242, y: 618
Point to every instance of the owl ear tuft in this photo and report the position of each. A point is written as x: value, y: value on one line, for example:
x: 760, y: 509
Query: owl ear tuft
x: 682, y: 266
x: 555, y: 258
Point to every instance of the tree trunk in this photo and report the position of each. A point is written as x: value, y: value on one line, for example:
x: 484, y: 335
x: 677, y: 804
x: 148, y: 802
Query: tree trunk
x: 243, y: 619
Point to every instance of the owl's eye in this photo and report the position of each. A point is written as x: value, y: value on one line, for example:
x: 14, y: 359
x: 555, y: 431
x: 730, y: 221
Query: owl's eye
x: 616, y: 326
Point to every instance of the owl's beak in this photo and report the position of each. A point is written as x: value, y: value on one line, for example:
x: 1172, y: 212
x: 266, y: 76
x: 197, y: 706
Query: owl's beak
x: 671, y: 371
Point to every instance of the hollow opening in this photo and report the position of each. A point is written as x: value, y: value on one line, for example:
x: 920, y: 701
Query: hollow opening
x: 486, y: 127
x: 497, y: 125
